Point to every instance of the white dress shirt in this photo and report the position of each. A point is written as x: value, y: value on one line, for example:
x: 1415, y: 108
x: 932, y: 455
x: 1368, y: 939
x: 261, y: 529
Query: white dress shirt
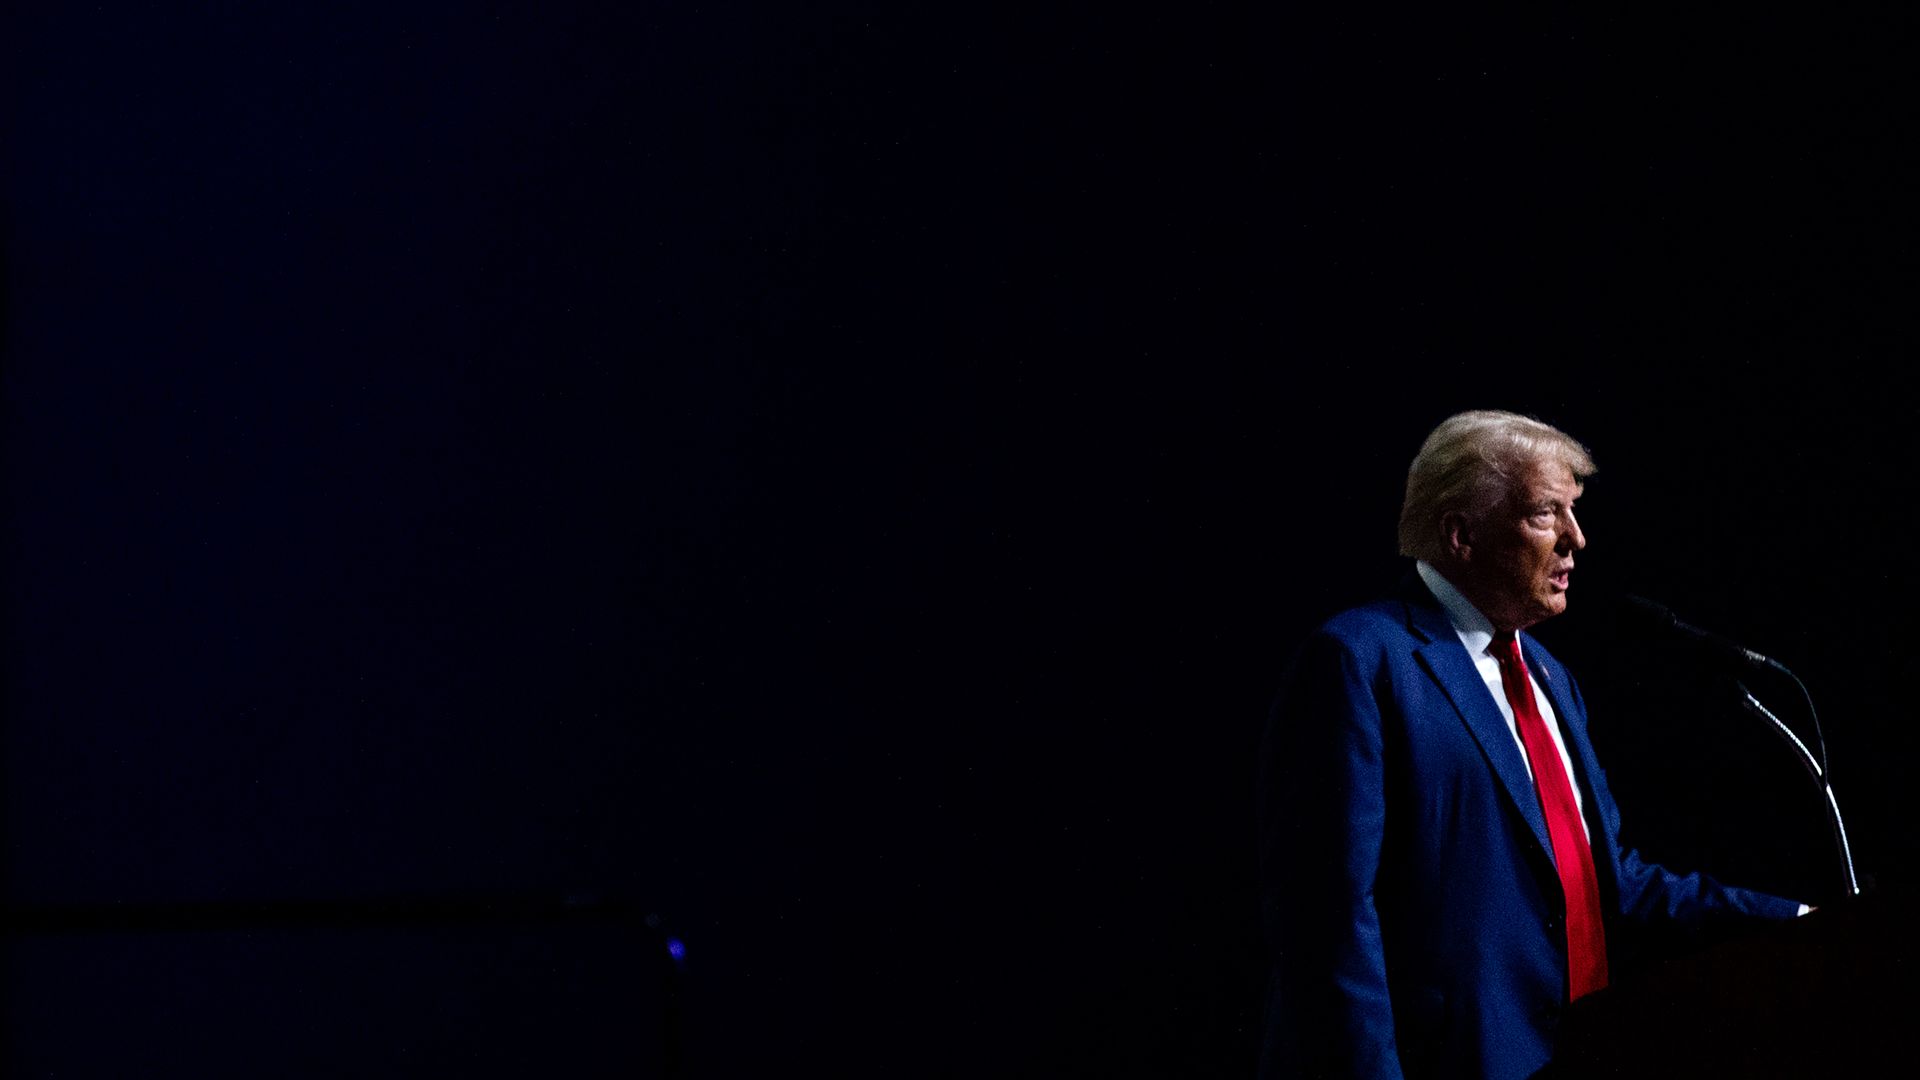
x: 1476, y: 633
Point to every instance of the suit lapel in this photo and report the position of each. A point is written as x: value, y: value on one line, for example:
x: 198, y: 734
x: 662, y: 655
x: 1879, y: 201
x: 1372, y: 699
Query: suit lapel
x: 1579, y: 749
x: 1446, y: 660
x: 1556, y: 687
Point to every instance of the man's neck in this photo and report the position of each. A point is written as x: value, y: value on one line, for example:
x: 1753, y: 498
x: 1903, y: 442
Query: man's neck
x: 1462, y: 610
x: 1469, y: 590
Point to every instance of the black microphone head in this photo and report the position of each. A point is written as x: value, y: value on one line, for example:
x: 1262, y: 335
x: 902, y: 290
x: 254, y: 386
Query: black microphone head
x: 1655, y: 616
x: 1651, y: 613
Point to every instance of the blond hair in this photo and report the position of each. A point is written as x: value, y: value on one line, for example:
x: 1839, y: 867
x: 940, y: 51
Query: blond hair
x: 1471, y: 463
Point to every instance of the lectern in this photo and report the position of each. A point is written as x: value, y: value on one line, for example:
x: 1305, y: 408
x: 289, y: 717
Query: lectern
x: 1830, y: 994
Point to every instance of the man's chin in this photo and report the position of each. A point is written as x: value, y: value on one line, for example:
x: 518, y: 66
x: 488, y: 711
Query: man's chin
x: 1549, y: 605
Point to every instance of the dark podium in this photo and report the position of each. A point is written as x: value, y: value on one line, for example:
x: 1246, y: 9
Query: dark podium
x: 1828, y: 994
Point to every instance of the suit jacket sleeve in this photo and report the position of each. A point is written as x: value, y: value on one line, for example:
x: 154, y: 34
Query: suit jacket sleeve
x: 1322, y: 816
x: 1649, y: 892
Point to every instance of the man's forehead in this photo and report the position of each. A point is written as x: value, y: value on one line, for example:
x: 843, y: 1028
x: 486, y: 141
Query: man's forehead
x: 1551, y: 478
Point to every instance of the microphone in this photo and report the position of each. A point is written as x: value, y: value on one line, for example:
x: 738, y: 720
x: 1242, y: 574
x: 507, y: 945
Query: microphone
x: 1660, y: 616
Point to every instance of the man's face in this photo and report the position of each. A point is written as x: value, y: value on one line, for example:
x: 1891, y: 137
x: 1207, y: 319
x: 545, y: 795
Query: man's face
x: 1521, y: 554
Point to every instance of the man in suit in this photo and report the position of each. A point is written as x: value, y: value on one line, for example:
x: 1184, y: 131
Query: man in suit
x: 1441, y: 868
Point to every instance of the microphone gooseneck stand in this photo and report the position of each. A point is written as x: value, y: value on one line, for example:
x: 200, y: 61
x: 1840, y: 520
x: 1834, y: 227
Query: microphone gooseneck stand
x: 1816, y: 769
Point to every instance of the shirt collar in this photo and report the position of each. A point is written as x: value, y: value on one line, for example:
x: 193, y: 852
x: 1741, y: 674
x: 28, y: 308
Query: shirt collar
x: 1475, y: 629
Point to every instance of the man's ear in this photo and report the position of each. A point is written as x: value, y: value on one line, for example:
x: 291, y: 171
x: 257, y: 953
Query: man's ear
x: 1458, y: 531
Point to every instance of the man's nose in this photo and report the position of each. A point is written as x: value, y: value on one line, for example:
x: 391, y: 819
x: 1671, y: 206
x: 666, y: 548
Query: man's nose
x: 1571, y: 536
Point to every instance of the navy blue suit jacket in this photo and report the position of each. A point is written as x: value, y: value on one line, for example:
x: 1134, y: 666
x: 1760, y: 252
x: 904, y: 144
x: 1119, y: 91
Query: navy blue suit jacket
x: 1408, y: 888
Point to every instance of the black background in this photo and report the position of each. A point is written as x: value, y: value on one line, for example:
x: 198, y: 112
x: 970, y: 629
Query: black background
x: 851, y: 479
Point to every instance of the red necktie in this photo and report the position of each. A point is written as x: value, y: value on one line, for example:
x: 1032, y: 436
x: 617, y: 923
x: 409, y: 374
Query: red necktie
x: 1586, y: 938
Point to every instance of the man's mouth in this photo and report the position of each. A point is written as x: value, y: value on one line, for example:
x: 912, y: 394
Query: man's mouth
x: 1560, y: 578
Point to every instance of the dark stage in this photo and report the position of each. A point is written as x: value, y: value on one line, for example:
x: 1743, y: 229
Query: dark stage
x: 496, y: 492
